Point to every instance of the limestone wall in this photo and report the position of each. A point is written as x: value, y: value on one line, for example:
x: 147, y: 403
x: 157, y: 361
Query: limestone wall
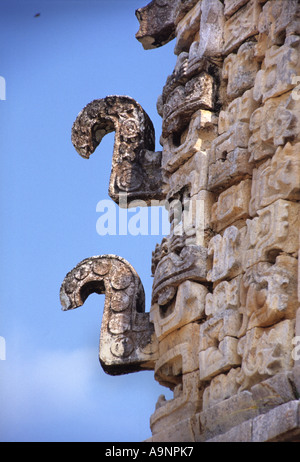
x: 225, y: 290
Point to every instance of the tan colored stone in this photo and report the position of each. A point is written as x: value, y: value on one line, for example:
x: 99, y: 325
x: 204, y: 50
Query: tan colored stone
x: 188, y: 307
x: 274, y: 391
x: 281, y: 66
x: 192, y: 174
x: 186, y: 403
x: 216, y: 328
x: 236, y: 137
x: 265, y: 352
x: 241, y: 26
x: 218, y: 345
x: 239, y: 109
x: 211, y: 29
x: 240, y: 70
x: 229, y: 170
x: 221, y: 387
x: 279, y: 424
x: 269, y: 293
x: 224, y: 252
x: 136, y: 170
x: 127, y: 340
x: 231, y: 6
x: 201, y: 130
x: 241, y: 433
x: 185, y: 100
x: 232, y: 205
x: 229, y: 146
x: 178, y: 355
x: 197, y: 217
x: 187, y: 28
x: 279, y: 19
x: 224, y: 296
x: 181, y: 432
x: 275, y: 230
x: 174, y: 262
x: 277, y: 178
x: 272, y: 125
x: 227, y: 414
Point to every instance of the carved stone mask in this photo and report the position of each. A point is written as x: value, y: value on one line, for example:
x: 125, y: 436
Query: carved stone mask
x: 156, y: 23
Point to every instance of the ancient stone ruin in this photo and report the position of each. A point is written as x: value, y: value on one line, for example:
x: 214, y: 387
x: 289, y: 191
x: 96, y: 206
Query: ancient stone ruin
x: 223, y: 329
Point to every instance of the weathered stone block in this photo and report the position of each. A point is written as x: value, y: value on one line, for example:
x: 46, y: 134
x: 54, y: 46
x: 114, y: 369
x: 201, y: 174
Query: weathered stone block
x: 236, y: 137
x: 274, y: 391
x: 217, y: 359
x: 273, y: 125
x: 187, y: 28
x: 227, y: 414
x: 215, y: 329
x: 136, y: 171
x: 178, y: 355
x: 239, y: 110
x: 175, y: 267
x: 157, y: 23
x: 224, y: 296
x: 279, y: 424
x: 275, y: 230
x: 265, y: 352
x: 232, y: 205
x: 198, y: 136
x: 169, y: 414
x: 269, y: 293
x: 242, y: 433
x: 240, y: 70
x: 198, y: 93
x: 279, y: 19
x: 221, y: 387
x: 224, y: 252
x: 127, y: 340
x: 277, y: 178
x: 231, y: 6
x: 211, y: 29
x: 281, y: 66
x: 230, y: 170
x: 188, y: 307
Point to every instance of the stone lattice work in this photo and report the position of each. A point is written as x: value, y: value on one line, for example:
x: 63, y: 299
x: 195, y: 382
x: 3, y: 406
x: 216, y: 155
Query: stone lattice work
x: 226, y: 297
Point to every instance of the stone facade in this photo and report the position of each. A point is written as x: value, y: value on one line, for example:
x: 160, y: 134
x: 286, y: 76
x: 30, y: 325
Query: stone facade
x: 224, y: 324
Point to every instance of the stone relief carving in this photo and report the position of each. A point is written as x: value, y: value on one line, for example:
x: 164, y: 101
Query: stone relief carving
x: 173, y: 263
x: 277, y: 178
x: 127, y: 339
x: 268, y: 293
x: 158, y: 21
x: 265, y: 352
x: 224, y: 312
x: 135, y: 166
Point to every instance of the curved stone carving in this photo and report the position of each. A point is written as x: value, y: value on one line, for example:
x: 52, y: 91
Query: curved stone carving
x: 127, y: 339
x: 136, y: 168
x: 158, y: 21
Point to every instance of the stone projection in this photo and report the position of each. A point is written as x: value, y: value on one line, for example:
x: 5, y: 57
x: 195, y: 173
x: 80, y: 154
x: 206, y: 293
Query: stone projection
x: 223, y: 328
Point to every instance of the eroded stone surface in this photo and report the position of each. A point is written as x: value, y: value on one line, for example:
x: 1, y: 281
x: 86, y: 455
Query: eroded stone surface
x: 135, y: 166
x: 225, y: 311
x: 127, y: 339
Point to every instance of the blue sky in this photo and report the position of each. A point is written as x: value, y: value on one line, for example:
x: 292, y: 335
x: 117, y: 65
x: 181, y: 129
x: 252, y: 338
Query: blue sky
x: 52, y: 387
